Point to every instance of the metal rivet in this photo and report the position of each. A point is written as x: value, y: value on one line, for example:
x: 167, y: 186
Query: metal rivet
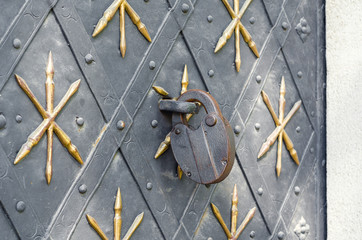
x: 79, y: 121
x: 211, y: 73
x: 2, y: 121
x: 210, y: 18
x: 296, y: 190
x: 257, y: 126
x: 177, y: 131
x: 252, y: 20
x: 237, y: 129
x: 149, y: 186
x: 252, y: 234
x: 303, y: 22
x: 185, y: 8
x: 285, y: 25
x: 188, y: 174
x: 280, y: 235
x: 152, y: 65
x: 312, y: 113
x: 89, y: 58
x: 260, y: 191
x: 297, y: 129
x: 210, y: 120
x: 300, y: 74
x: 120, y: 125
x: 258, y: 79
x: 82, y: 188
x: 20, y: 206
x: 16, y: 43
x: 18, y: 118
x: 311, y: 150
x: 154, y: 123
x: 323, y: 162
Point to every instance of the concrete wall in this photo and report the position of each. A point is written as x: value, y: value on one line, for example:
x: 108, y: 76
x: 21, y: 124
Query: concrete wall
x: 344, y: 119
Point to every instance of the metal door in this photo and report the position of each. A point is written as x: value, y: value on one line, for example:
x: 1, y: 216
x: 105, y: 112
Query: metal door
x: 114, y: 119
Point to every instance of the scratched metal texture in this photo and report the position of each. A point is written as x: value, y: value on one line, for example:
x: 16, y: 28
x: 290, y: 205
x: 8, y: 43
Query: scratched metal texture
x: 114, y: 88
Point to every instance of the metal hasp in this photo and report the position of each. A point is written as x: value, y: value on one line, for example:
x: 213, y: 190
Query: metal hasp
x: 205, y: 154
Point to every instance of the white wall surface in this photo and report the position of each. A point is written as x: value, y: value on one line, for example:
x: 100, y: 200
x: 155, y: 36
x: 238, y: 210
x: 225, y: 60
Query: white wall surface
x: 344, y: 119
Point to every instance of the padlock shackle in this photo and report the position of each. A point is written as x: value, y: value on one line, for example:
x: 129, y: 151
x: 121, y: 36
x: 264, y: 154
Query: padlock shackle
x: 196, y: 95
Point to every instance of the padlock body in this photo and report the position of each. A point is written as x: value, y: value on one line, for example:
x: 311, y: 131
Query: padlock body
x: 206, y: 154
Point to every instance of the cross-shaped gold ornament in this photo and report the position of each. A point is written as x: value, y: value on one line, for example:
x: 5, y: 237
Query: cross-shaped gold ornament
x: 237, y: 27
x: 108, y: 15
x: 165, y: 144
x: 117, y: 222
x: 48, y: 123
x: 279, y: 131
x: 234, y: 233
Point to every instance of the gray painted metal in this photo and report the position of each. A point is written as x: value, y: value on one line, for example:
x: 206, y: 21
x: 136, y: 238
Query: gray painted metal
x: 117, y: 89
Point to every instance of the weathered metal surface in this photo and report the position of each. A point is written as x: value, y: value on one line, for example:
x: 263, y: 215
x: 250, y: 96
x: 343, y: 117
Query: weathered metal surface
x: 115, y: 122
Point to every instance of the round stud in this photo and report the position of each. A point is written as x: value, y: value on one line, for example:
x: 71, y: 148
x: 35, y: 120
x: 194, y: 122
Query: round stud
x: 297, y: 129
x: 210, y: 19
x: 281, y: 235
x: 303, y: 22
x: 252, y: 20
x: 258, y: 79
x: 211, y: 73
x: 257, y: 126
x: 79, y: 121
x: 311, y: 150
x: 300, y: 74
x: 89, y: 58
x: 152, y: 65
x: 149, y: 186
x: 237, y: 129
x: 188, y: 174
x: 2, y: 121
x: 312, y: 113
x: 185, y: 8
x: 210, y: 120
x: 154, y: 123
x: 285, y: 25
x: 120, y: 125
x: 296, y: 190
x: 252, y: 234
x: 18, y: 118
x: 304, y: 29
x: 16, y: 43
x: 82, y: 188
x: 20, y: 206
x: 260, y: 191
x: 177, y: 131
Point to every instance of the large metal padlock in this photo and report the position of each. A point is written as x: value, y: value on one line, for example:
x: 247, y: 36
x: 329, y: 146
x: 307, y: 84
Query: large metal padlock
x: 206, y: 154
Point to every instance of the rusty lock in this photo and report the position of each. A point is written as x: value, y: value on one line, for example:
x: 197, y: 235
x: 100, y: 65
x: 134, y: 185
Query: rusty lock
x: 206, y: 154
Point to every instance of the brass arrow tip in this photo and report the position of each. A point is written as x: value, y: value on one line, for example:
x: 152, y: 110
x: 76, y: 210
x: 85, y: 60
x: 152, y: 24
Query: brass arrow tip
x: 264, y: 148
x: 50, y: 66
x: 48, y: 175
x: 235, y: 195
x: 278, y: 170
x: 118, y: 202
x: 24, y: 150
x: 238, y: 64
